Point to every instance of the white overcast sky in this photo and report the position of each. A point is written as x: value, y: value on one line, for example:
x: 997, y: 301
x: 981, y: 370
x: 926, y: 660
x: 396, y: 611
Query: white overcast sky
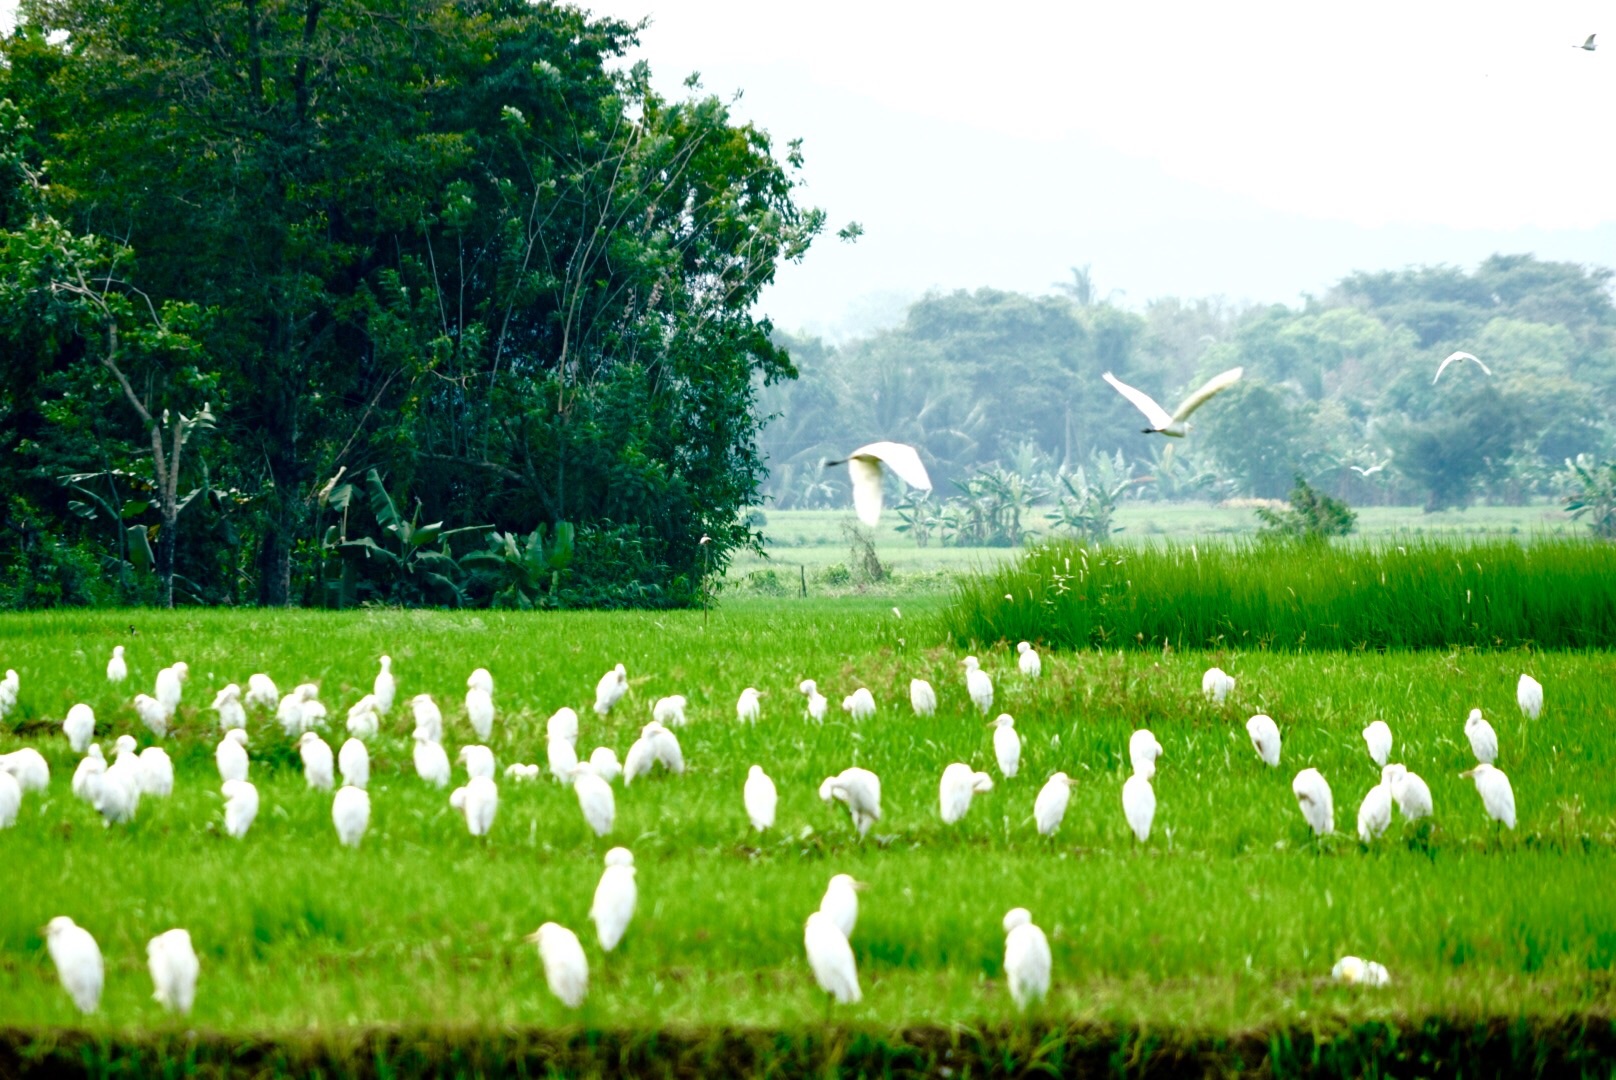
x: 1250, y: 150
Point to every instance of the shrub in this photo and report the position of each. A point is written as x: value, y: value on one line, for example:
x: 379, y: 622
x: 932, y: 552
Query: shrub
x: 1311, y: 517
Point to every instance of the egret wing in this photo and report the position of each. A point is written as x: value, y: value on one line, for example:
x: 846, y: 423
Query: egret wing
x: 1451, y: 357
x: 901, y: 458
x: 1142, y: 401
x: 1217, y: 384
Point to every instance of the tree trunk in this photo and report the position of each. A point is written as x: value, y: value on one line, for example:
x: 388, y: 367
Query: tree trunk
x: 165, y: 556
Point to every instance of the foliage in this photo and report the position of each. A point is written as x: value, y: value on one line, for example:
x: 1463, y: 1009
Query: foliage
x: 1591, y: 494
x: 1313, y: 516
x: 524, y: 572
x: 1089, y: 504
x: 866, y: 565
x: 406, y: 563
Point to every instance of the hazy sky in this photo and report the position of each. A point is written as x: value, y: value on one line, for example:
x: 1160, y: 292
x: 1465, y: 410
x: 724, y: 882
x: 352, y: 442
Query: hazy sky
x: 1251, y: 150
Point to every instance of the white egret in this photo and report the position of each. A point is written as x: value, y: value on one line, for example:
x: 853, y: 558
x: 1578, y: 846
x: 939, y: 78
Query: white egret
x: 611, y: 688
x: 87, y: 776
x: 28, y: 767
x: 153, y: 714
x: 10, y: 687
x: 1027, y: 960
x: 480, y: 711
x: 860, y: 790
x: 384, y: 688
x: 262, y: 693
x: 125, y: 749
x: 1143, y: 750
x: 80, y: 726
x: 615, y: 898
x: 748, y: 709
x: 78, y: 962
x: 319, y: 770
x: 353, y: 761
x: 978, y: 684
x: 1264, y: 737
x: 156, y: 772
x: 1217, y: 684
x: 595, y: 799
x: 117, y: 797
x: 1139, y: 805
x: 363, y: 719
x: 227, y: 703
x: 1175, y: 425
x: 170, y: 686
x: 1006, y: 745
x: 288, y: 714
x: 1483, y: 739
x: 864, y: 470
x: 1529, y: 695
x: 1049, y: 809
x: 1378, y: 738
x: 481, y: 680
x: 566, y: 969
x: 561, y: 756
x: 563, y: 724
x: 954, y: 791
x: 666, y: 746
x: 922, y: 698
x: 760, y: 798
x: 831, y: 958
x: 479, y: 802
x: 604, y: 761
x: 1456, y: 356
x: 173, y: 965
x: 840, y: 903
x: 117, y: 668
x: 639, y: 761
x: 1413, y: 795
x: 350, y: 813
x: 1029, y: 662
x: 231, y: 755
x: 1312, y: 793
x: 478, y: 760
x: 521, y: 772
x: 670, y: 710
x: 816, y: 702
x: 1375, y: 813
x: 1351, y: 971
x: 240, y: 807
x: 1496, y: 794
x: 860, y: 704
x: 431, y: 760
x: 10, y: 800
x: 1589, y: 45
x: 428, y: 717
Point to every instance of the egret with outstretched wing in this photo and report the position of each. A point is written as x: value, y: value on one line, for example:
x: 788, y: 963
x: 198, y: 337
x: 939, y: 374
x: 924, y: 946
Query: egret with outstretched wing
x: 864, y: 467
x: 1451, y: 357
x: 1174, y: 424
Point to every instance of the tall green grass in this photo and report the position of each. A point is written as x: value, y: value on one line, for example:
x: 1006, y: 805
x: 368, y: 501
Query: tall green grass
x: 1415, y: 594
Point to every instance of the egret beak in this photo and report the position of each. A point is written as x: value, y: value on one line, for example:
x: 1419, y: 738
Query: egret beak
x: 860, y: 886
x: 532, y: 938
x: 1471, y: 773
x: 1071, y: 782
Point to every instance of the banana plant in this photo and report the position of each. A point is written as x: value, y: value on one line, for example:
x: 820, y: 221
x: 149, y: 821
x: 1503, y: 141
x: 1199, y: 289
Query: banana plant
x: 525, y: 570
x: 417, y: 554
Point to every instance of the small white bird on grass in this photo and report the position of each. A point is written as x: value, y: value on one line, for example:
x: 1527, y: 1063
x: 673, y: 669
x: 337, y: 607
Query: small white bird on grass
x: 428, y: 717
x: 1378, y: 738
x: 174, y: 968
x: 1496, y: 794
x: 955, y: 790
x: 1313, y: 796
x: 231, y: 755
x: 28, y: 767
x: 288, y: 713
x: 561, y: 756
x: 480, y: 708
x: 10, y: 687
x: 604, y: 761
x: 655, y: 746
x: 10, y: 800
x: 1217, y: 685
x: 922, y: 698
x: 1529, y: 696
x: 1458, y: 356
x: 153, y: 714
x: 350, y: 813
x: 319, y: 770
x: 566, y: 969
x: 479, y: 802
x: 860, y: 704
x: 227, y: 703
x: 78, y: 962
x: 595, y: 799
x: 156, y: 772
x: 87, y: 775
x: 1375, y: 813
x: 364, y: 720
x: 1049, y: 809
x: 1029, y: 662
x: 1143, y: 750
x: 563, y: 724
x: 522, y: 772
x: 431, y: 760
x: 670, y: 710
x: 79, y: 727
x: 384, y: 688
x: 615, y: 898
x: 171, y: 686
x: 478, y: 760
x: 840, y: 904
x: 748, y: 708
x: 262, y: 693
x: 240, y: 807
x: 611, y: 688
x: 1175, y: 425
x: 1351, y: 971
x: 864, y: 470
x: 1006, y: 745
x: 117, y: 669
x: 860, y: 790
x: 1483, y: 739
x: 760, y: 797
x: 831, y: 958
x: 481, y: 680
x: 117, y: 796
x: 1027, y: 960
x: 1412, y: 794
x: 816, y: 703
x: 1139, y: 805
x: 978, y: 684
x: 353, y: 761
x: 1264, y: 738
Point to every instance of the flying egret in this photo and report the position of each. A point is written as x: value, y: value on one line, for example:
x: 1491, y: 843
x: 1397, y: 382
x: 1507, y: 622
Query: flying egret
x: 231, y: 755
x: 566, y: 969
x: 860, y: 790
x: 1027, y: 960
x: 1483, y: 739
x: 227, y: 703
x: 563, y: 724
x: 760, y: 798
x: 428, y: 717
x: 1139, y: 805
x: 1378, y: 737
x: 1217, y: 684
x: 1176, y: 424
x: 604, y: 761
x: 481, y: 680
x: 170, y: 686
x: 1529, y: 695
x: 174, y: 968
x: 561, y: 756
x: 1143, y: 750
x: 319, y: 770
x: 1412, y: 794
x: 480, y: 709
x: 156, y: 772
x: 10, y: 686
x: 431, y: 760
x: 1049, y: 809
x: 1375, y: 813
x: 28, y: 767
x: 840, y: 904
x: 384, y: 688
x: 117, y: 669
x: 78, y: 962
x: 87, y: 775
x: 1496, y: 794
x: 1312, y: 793
x: 363, y: 719
x: 478, y: 801
x: 816, y: 702
x: 922, y: 698
x: 611, y: 688
x: 864, y: 470
x: 1264, y: 737
x: 860, y: 704
x: 478, y: 760
x: 831, y: 958
x: 240, y: 807
x: 615, y: 898
x: 10, y: 799
x: 1006, y: 745
x: 1588, y: 45
x: 595, y: 799
x: 353, y: 761
x: 1453, y: 356
x: 978, y: 684
x: 1029, y: 662
x: 1351, y: 971
x: 80, y: 726
x: 954, y: 791
x: 262, y: 693
x: 748, y: 708
x: 670, y: 710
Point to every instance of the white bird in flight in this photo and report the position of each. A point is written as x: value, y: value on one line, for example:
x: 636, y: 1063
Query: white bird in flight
x: 78, y: 962
x: 1049, y: 809
x: 615, y: 898
x: 831, y: 958
x: 1451, y: 357
x: 760, y: 797
x: 566, y: 969
x: 864, y: 469
x: 1027, y: 960
x: 1264, y: 737
x: 1175, y: 424
x: 350, y: 813
x: 173, y: 965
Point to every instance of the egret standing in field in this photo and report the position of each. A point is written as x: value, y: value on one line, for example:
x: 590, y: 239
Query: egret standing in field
x: 240, y: 807
x: 1027, y: 960
x: 1375, y: 813
x: 604, y: 761
x: 153, y: 714
x: 1217, y: 684
x: 831, y: 958
x: 174, y: 968
x: 563, y: 724
x: 79, y: 727
x: 288, y: 713
x: 1006, y: 745
x: 78, y: 962
x: 227, y: 703
x: 760, y: 797
x: 566, y: 969
x: 353, y: 761
x: 431, y: 761
x: 748, y: 708
x: 262, y: 693
x: 384, y: 688
x: 860, y: 790
x: 1029, y: 662
x: 1483, y: 739
x: 954, y: 791
x: 1496, y: 794
x: 615, y: 898
x: 561, y: 756
x: 117, y: 797
x: 978, y: 684
x: 87, y: 776
x: 922, y: 698
x: 1412, y: 794
x: 350, y: 813
x: 816, y: 703
x: 479, y: 760
x: 478, y: 801
x: 1264, y: 738
x: 1139, y: 805
x: 864, y: 469
x: 10, y: 687
x: 1529, y: 695
x: 28, y: 767
x: 117, y: 669
x: 319, y: 770
x: 1143, y: 750
x: 171, y: 685
x: 611, y: 688
x: 10, y: 799
x: 1378, y: 738
x: 860, y: 704
x: 480, y: 703
x: 1312, y: 793
x: 1049, y: 809
x: 664, y: 746
x: 840, y: 904
x: 428, y: 717
x: 670, y: 710
x: 156, y: 772
x: 363, y: 719
x: 231, y: 755
x: 1177, y: 424
x: 595, y: 799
